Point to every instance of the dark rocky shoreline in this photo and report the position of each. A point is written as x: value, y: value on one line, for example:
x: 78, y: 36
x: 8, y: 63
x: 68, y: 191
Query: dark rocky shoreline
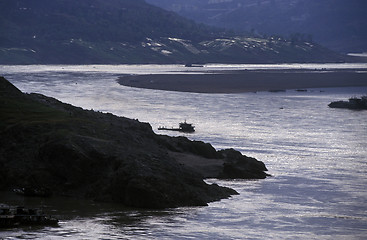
x: 87, y: 154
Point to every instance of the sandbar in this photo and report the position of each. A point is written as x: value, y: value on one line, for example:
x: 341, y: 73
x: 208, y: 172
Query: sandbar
x: 247, y: 80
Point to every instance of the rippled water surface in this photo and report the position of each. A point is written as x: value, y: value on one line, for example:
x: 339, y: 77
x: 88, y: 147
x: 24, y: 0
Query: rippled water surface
x: 317, y: 156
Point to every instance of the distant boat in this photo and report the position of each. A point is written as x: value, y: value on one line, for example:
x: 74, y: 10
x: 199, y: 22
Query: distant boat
x: 352, y: 103
x: 183, y: 127
x: 193, y: 65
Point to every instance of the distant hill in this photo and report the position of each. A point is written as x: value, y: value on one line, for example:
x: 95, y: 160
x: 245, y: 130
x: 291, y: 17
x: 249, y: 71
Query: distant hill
x: 337, y: 24
x: 131, y: 31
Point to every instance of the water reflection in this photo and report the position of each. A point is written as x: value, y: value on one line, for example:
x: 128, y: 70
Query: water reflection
x: 317, y: 157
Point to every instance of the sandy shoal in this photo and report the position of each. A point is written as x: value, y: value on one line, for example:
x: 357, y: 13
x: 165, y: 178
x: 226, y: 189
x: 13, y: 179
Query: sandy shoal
x: 247, y: 81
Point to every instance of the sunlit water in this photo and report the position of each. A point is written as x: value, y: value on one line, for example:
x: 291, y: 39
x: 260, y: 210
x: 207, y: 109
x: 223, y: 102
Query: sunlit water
x: 317, y: 156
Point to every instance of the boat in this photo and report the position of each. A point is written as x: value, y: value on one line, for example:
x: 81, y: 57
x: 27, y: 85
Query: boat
x: 183, y: 127
x: 19, y: 216
x: 352, y: 103
x: 193, y: 65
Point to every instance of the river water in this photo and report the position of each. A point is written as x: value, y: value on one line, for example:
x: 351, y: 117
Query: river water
x: 317, y: 157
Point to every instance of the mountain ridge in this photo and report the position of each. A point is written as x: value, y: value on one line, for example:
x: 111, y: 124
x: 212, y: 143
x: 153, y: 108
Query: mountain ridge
x: 126, y: 31
x: 336, y: 24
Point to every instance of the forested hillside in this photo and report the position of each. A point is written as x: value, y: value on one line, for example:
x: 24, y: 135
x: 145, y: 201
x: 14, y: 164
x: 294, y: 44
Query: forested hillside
x: 131, y: 31
x: 336, y: 24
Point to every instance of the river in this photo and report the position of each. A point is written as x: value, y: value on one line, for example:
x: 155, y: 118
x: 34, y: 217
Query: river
x: 317, y: 157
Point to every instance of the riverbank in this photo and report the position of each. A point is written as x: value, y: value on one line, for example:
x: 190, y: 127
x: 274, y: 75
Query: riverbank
x: 45, y: 143
x: 247, y: 81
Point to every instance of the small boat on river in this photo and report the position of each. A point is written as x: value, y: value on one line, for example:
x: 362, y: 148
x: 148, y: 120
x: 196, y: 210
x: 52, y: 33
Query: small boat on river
x: 352, y: 103
x: 183, y: 127
x: 193, y: 65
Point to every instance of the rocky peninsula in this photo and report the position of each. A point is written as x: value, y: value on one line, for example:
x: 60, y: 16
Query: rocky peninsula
x: 88, y: 154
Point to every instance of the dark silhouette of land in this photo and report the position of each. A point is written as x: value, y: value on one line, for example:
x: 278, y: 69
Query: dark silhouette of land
x: 47, y: 144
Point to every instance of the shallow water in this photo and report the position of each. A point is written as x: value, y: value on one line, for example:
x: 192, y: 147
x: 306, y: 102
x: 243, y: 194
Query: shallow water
x: 317, y: 156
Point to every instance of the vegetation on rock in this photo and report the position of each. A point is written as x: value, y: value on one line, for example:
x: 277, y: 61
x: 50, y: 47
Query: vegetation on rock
x: 83, y: 153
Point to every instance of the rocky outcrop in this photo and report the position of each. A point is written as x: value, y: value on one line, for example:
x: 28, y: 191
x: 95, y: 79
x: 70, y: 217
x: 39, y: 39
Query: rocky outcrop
x: 240, y: 166
x: 80, y: 153
x: 232, y: 163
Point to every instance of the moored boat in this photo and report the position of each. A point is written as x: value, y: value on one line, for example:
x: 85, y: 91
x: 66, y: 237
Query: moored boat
x: 183, y: 127
x: 352, y: 103
x: 193, y: 65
